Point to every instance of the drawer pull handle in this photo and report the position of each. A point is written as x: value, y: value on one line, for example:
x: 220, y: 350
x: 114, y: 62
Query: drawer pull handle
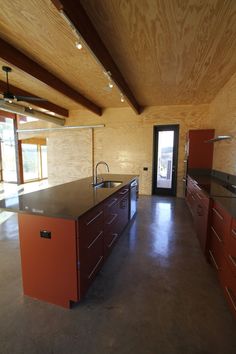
x: 234, y: 232
x: 95, y: 268
x: 216, y: 234
x: 218, y: 214
x: 124, y: 191
x: 98, y: 236
x: 230, y: 297
x: 113, y: 240
x: 113, y: 202
x: 232, y: 260
x: 214, y: 261
x: 112, y: 219
x: 93, y: 219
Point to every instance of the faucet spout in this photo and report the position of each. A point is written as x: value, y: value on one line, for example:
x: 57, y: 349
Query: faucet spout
x: 95, y: 180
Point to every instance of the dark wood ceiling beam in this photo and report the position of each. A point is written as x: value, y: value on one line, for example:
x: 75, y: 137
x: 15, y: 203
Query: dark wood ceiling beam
x: 15, y: 57
x: 49, y: 106
x: 76, y: 14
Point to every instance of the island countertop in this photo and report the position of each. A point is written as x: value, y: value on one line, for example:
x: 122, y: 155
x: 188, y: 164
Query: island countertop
x: 69, y: 200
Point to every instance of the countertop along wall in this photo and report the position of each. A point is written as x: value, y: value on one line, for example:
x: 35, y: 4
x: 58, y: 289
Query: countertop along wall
x: 222, y: 116
x: 126, y: 142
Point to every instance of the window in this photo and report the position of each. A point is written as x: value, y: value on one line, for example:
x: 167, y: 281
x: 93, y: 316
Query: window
x: 34, y: 155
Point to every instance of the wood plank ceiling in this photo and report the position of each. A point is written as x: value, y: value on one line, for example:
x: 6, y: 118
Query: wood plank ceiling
x: 169, y: 52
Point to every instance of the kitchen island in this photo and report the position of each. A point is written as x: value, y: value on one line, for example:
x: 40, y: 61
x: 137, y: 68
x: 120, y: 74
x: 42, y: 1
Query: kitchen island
x: 66, y: 233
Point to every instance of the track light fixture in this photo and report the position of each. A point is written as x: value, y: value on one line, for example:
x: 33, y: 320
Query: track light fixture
x: 122, y: 99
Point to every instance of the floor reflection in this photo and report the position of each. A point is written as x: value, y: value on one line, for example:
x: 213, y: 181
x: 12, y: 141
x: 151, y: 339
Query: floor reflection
x: 161, y: 231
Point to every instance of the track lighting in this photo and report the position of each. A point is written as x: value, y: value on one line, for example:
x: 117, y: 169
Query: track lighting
x: 78, y: 45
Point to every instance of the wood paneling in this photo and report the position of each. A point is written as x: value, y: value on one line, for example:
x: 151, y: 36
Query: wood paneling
x: 126, y: 142
x: 223, y: 117
x: 171, y: 52
x: 46, y: 105
x: 37, y: 29
x: 77, y: 15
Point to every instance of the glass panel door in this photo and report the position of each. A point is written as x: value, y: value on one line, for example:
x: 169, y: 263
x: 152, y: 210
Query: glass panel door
x: 8, y: 151
x: 30, y: 162
x: 165, y: 159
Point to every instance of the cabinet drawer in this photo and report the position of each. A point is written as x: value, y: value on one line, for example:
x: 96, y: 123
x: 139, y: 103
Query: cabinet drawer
x: 228, y: 282
x: 231, y: 247
x: 95, y: 256
x: 220, y: 221
x: 91, y: 224
x: 216, y: 254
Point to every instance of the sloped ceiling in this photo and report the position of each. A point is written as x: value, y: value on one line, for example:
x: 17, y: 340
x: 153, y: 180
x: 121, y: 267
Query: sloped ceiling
x: 169, y: 52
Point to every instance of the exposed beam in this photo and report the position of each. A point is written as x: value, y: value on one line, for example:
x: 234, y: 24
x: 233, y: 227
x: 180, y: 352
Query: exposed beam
x: 20, y: 60
x: 42, y: 104
x: 25, y: 111
x: 75, y: 13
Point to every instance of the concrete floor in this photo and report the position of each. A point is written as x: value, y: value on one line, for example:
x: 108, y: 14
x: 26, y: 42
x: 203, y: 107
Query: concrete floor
x: 155, y: 295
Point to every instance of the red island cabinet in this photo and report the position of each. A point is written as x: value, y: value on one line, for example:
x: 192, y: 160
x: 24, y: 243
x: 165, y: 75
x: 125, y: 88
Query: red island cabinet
x: 61, y: 257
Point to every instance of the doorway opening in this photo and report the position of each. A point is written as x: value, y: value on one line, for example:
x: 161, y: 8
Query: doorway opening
x: 165, y: 159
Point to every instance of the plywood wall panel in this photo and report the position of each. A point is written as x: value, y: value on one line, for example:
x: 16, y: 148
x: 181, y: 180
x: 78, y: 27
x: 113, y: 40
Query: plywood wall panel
x: 69, y: 156
x: 222, y: 115
x: 126, y: 142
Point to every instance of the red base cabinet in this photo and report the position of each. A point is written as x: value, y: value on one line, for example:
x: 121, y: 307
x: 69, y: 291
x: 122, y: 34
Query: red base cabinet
x: 60, y: 257
x: 49, y: 258
x: 222, y: 251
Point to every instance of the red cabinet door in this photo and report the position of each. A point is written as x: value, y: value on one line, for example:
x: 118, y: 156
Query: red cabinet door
x: 200, y: 153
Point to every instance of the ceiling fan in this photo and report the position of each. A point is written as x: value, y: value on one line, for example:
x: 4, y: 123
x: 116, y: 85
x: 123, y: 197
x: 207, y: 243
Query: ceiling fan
x: 8, y: 96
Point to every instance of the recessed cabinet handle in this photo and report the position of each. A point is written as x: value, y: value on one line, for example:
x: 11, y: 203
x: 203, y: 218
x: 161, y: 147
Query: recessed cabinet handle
x: 96, y: 266
x: 232, y: 260
x: 214, y: 261
x: 95, y: 217
x: 98, y: 236
x: 216, y: 234
x: 112, y: 219
x: 230, y: 297
x: 218, y: 214
x: 124, y: 191
x: 113, y: 240
x: 234, y: 232
x: 113, y: 202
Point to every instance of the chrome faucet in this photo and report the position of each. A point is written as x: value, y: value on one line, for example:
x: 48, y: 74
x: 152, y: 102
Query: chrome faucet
x: 95, y: 177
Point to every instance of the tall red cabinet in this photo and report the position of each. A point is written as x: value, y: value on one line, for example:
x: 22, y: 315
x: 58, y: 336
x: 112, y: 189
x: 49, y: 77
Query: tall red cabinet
x: 198, y: 153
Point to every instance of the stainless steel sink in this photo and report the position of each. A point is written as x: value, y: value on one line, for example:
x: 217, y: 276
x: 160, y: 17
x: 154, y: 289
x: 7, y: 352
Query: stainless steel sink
x: 107, y: 184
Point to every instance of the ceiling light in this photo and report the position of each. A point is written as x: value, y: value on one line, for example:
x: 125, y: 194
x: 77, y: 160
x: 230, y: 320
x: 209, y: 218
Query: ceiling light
x: 30, y: 108
x: 9, y: 101
x: 122, y: 99
x: 78, y: 45
x: 110, y: 84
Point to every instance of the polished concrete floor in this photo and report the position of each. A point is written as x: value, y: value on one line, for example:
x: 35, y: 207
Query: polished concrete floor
x: 155, y: 295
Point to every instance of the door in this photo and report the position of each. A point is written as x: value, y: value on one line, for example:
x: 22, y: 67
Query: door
x: 166, y: 139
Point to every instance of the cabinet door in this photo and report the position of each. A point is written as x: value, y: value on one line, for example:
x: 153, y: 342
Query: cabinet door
x: 49, y: 258
x: 231, y: 247
x: 200, y: 154
x: 90, y: 246
x: 123, y: 212
x: 228, y: 282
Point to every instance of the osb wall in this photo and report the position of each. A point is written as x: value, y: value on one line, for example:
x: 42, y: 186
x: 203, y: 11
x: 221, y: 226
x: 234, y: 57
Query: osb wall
x: 69, y: 155
x: 126, y: 142
x: 222, y: 116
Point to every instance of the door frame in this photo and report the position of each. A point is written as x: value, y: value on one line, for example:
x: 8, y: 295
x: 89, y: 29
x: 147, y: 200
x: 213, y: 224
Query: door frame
x: 156, y: 129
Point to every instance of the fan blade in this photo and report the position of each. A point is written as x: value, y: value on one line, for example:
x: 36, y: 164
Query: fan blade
x: 28, y: 98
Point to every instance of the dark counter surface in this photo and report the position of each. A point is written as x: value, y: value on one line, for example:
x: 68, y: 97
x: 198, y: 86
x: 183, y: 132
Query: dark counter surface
x: 218, y: 191
x: 69, y: 200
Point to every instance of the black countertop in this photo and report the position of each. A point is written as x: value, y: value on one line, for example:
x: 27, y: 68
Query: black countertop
x: 69, y: 200
x: 218, y: 191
